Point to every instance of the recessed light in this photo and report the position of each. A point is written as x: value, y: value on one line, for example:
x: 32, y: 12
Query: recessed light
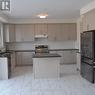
x: 44, y: 15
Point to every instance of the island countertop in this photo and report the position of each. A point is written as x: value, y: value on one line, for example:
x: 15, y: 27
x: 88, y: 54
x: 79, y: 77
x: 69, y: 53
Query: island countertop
x: 45, y: 55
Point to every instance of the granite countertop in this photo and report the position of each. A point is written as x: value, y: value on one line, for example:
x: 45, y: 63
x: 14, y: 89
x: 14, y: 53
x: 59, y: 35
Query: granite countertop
x: 64, y: 49
x: 24, y: 50
x: 8, y: 52
x: 45, y: 55
x: 49, y: 50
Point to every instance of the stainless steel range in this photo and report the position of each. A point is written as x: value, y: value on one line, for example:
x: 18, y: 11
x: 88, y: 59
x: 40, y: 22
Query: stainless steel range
x: 41, y: 49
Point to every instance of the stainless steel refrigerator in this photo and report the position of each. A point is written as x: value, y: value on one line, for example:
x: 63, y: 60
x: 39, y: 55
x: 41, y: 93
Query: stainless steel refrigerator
x: 88, y: 55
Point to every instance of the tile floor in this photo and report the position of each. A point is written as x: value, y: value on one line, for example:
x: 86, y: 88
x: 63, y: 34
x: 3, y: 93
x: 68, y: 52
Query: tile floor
x: 23, y: 83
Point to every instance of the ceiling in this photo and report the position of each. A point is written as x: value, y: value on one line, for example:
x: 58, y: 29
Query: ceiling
x: 56, y: 9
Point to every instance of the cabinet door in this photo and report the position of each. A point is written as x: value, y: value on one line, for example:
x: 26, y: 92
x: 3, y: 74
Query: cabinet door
x: 27, y: 58
x: 52, y: 30
x: 13, y: 62
x: 68, y: 32
x: 24, y: 32
x: 72, y: 32
x: 69, y: 57
x: 58, y: 34
x: 64, y: 32
x: 84, y: 20
x: 40, y: 29
x: 28, y: 33
x: 6, y: 33
x: 90, y: 22
x: 66, y: 56
x: 61, y: 54
x: 24, y: 58
x: 18, y: 58
x: 11, y: 33
x: 19, y: 33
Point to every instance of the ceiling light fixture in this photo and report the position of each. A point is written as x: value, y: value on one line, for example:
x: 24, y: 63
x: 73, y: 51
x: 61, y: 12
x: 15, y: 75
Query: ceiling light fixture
x: 44, y: 15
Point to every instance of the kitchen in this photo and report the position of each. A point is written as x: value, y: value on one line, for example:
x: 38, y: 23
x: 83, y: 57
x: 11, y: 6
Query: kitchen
x: 52, y: 43
x: 23, y: 43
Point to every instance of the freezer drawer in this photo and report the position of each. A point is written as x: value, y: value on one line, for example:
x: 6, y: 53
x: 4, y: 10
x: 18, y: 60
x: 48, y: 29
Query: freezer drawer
x: 87, y: 72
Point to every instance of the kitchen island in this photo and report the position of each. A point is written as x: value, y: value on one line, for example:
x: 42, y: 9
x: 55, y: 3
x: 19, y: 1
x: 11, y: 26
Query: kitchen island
x: 46, y: 65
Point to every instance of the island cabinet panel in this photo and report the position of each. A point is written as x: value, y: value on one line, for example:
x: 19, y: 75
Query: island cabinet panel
x: 46, y: 67
x: 24, y: 32
x: 40, y: 29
